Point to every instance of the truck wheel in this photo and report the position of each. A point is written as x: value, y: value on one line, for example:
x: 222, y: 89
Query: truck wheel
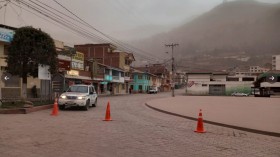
x: 61, y: 107
x: 86, y: 107
x: 95, y: 103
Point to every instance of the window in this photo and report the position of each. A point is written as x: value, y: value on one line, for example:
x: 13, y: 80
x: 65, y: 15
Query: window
x: 127, y: 62
x: 204, y: 85
x: 140, y: 88
x: 107, y: 71
x: 91, y: 89
x: 123, y: 86
x: 122, y: 74
x: 232, y: 79
x: 139, y: 76
x: 248, y: 79
x: 80, y: 89
x: 115, y: 73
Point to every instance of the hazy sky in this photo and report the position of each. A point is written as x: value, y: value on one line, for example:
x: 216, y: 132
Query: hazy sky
x: 122, y: 19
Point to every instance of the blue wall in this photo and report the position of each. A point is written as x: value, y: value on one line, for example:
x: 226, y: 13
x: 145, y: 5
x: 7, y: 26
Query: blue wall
x: 144, y: 82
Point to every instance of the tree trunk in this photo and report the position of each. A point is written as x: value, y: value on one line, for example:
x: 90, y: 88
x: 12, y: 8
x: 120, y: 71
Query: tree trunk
x: 24, y: 87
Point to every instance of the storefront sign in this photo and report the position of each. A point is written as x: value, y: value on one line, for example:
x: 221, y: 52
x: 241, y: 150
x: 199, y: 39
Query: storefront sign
x: 73, y: 73
x: 63, y: 65
x: 63, y: 57
x: 78, y: 61
x: 6, y: 35
x: 43, y: 72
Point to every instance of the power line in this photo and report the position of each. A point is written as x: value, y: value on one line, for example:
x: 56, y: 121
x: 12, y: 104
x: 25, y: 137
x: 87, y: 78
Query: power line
x: 65, y: 22
x: 88, y: 25
x: 18, y: 14
x: 113, y: 39
x: 57, y: 24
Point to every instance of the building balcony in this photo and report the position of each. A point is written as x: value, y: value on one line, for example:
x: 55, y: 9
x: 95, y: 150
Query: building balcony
x: 118, y: 79
x: 108, y: 78
x: 126, y: 78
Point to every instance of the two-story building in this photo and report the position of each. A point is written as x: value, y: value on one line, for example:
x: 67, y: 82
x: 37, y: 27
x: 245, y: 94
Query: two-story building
x: 162, y: 78
x: 11, y: 86
x: 142, y: 81
x: 217, y: 83
x: 180, y: 79
x: 107, y: 54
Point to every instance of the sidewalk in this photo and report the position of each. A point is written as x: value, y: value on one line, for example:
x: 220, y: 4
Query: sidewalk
x: 259, y: 115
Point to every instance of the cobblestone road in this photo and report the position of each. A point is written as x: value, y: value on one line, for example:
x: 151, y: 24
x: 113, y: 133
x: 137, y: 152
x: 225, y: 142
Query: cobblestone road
x: 136, y: 131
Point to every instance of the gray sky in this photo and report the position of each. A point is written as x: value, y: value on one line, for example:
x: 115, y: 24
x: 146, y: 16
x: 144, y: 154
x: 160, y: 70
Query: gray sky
x: 122, y: 19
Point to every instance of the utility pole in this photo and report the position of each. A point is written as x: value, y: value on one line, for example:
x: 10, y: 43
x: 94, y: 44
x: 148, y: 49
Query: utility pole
x: 173, y: 79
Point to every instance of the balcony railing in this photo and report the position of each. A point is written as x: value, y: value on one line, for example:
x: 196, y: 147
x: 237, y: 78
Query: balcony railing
x: 127, y: 78
x: 116, y: 78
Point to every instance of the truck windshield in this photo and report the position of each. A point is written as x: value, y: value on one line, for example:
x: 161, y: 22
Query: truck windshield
x: 80, y: 89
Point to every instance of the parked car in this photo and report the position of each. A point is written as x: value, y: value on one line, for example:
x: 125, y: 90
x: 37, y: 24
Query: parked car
x: 78, y: 95
x: 153, y: 89
x: 239, y: 94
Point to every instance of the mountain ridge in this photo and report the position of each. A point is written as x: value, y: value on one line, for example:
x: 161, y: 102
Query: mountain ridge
x: 236, y: 28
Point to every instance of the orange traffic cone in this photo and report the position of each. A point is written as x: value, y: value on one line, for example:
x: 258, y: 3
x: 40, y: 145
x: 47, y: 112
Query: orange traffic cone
x: 55, y: 108
x: 199, y: 128
x: 108, y: 113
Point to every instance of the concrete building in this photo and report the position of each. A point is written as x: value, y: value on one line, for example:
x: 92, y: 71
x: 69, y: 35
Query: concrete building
x: 258, y: 70
x: 11, y: 86
x: 266, y: 86
x: 276, y: 62
x: 107, y: 54
x: 210, y: 83
x: 163, y: 76
x: 180, y: 79
x: 142, y: 81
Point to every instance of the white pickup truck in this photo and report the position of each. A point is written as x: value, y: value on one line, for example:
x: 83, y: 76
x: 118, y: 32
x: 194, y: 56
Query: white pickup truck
x: 153, y: 89
x: 78, y: 95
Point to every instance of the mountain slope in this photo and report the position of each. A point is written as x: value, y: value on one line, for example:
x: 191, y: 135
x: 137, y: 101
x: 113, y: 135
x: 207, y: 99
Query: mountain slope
x: 232, y: 34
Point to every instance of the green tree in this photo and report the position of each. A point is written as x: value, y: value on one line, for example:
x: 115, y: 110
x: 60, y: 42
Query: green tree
x: 29, y: 48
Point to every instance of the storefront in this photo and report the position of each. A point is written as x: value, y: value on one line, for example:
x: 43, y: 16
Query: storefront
x: 10, y: 86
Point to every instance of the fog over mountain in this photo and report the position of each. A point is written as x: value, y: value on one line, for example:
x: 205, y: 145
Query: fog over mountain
x: 235, y: 33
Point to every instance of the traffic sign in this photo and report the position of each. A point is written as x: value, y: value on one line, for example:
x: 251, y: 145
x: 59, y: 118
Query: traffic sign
x: 6, y: 76
x: 271, y: 78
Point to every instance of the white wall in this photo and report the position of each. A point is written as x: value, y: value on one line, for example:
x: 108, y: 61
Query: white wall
x: 199, y: 77
x: 219, y: 77
x: 198, y: 89
x: 277, y: 62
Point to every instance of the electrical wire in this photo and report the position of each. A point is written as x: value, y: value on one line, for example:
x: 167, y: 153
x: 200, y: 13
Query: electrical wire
x: 5, y: 8
x: 71, y: 23
x: 4, y: 1
x: 113, y: 39
x: 18, y: 14
x: 58, y: 25
x: 62, y: 21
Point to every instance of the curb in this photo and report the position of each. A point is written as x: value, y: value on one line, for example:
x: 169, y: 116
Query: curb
x: 25, y: 110
x: 219, y: 124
